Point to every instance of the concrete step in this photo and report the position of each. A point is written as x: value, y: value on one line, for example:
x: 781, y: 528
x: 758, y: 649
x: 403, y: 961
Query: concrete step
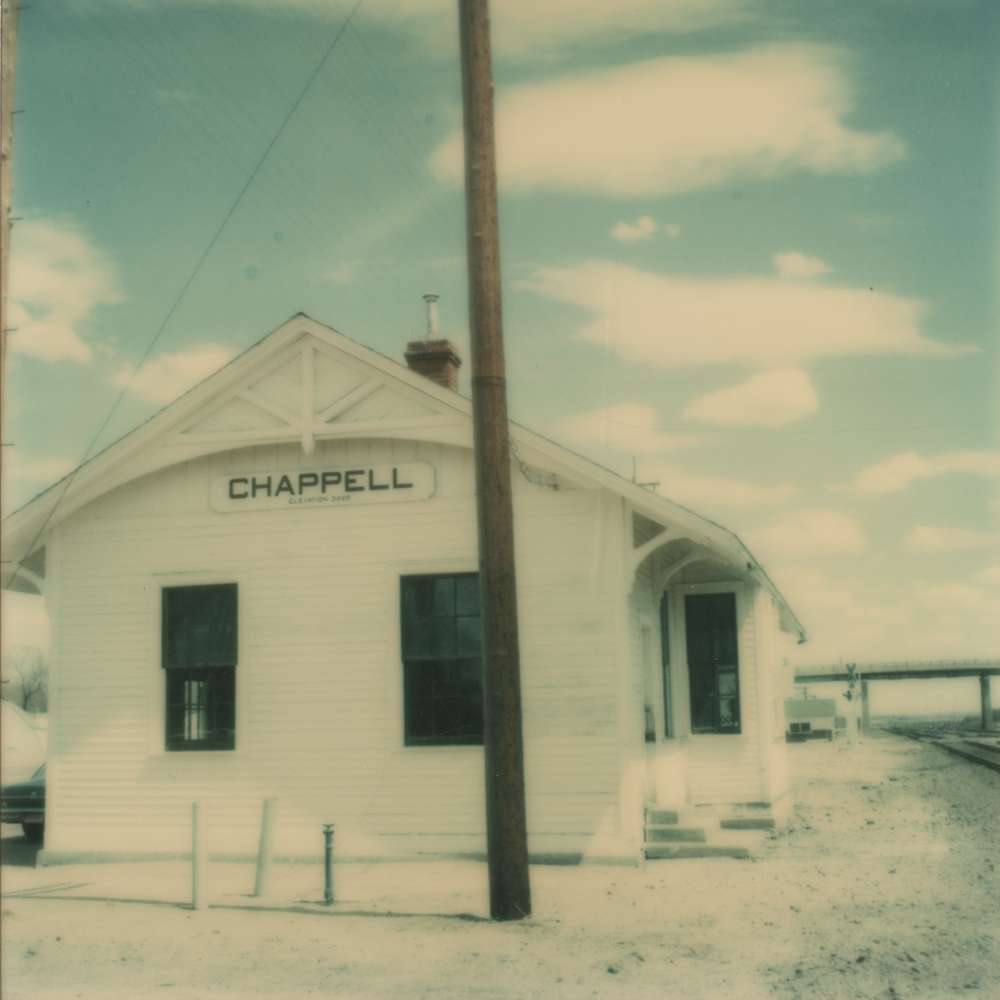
x: 666, y: 852
x: 660, y: 817
x: 747, y: 823
x: 659, y: 834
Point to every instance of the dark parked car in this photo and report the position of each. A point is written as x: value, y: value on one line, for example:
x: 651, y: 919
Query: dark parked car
x: 24, y: 803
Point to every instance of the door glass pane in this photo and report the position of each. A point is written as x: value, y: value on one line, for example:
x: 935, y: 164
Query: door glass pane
x: 710, y: 623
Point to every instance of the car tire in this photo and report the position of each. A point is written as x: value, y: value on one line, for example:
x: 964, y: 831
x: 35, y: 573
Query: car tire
x: 34, y: 833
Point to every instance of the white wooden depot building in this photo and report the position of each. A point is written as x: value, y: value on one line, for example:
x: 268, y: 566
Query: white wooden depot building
x: 269, y: 591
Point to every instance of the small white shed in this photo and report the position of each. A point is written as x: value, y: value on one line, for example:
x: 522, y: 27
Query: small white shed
x: 269, y: 590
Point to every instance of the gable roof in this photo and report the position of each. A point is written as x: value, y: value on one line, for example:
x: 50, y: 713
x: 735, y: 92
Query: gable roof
x: 253, y: 397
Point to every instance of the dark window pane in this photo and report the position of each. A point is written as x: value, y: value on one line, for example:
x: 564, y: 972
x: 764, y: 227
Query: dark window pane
x: 710, y: 621
x: 467, y: 595
x: 469, y: 636
x: 442, y: 669
x: 442, y: 637
x: 418, y: 638
x: 702, y: 699
x: 444, y: 595
x: 728, y: 712
x: 727, y: 682
x: 199, y: 626
x: 201, y: 709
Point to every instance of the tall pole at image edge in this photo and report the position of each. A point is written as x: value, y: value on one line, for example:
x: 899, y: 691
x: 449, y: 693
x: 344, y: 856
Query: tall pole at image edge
x: 506, y: 826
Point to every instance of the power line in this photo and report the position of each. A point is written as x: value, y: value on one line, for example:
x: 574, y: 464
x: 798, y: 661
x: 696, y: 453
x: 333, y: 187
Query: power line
x: 199, y: 263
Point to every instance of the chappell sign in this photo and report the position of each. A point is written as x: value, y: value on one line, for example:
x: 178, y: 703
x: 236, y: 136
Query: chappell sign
x: 323, y: 487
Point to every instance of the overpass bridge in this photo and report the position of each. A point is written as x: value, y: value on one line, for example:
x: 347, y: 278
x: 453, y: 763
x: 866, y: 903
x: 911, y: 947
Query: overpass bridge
x: 863, y: 673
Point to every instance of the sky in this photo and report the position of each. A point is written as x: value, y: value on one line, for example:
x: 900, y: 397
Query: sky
x: 749, y: 249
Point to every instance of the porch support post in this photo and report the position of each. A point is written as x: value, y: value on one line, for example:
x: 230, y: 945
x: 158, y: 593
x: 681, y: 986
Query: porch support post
x: 986, y: 703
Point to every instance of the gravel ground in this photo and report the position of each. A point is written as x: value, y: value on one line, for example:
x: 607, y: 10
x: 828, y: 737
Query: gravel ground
x: 887, y: 884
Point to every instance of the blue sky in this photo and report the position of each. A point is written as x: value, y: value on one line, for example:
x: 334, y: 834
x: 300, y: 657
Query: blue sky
x: 749, y: 243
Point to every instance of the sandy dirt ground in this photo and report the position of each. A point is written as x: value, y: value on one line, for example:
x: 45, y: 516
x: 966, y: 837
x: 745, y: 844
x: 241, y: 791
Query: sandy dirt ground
x: 887, y: 885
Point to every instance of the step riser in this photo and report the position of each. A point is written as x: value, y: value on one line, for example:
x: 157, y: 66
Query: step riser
x: 748, y: 823
x: 661, y: 817
x: 667, y: 852
x: 673, y: 833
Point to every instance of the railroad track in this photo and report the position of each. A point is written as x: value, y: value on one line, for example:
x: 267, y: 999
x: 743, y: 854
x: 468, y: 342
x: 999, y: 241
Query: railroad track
x: 983, y: 750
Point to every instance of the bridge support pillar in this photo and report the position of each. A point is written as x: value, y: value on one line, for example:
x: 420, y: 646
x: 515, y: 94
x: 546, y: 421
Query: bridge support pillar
x: 986, y: 703
x: 866, y: 710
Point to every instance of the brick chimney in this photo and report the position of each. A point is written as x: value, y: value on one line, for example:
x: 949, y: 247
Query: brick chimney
x: 434, y: 357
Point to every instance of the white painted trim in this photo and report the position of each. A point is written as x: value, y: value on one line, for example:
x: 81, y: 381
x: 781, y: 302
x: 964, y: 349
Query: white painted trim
x: 675, y: 567
x: 262, y: 403
x: 350, y: 399
x: 640, y: 552
x: 632, y: 752
x: 308, y: 401
x: 53, y: 757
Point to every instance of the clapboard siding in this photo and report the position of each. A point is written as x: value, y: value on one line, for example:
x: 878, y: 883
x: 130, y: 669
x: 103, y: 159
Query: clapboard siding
x: 319, y: 715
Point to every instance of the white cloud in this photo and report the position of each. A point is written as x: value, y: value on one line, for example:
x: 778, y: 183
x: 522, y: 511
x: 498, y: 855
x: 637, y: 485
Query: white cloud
x: 839, y: 620
x: 932, y: 538
x: 707, y: 493
x: 990, y: 575
x: 793, y: 264
x: 57, y: 279
x: 628, y: 232
x: 164, y: 378
x: 630, y: 427
x: 914, y: 621
x: 808, y: 532
x: 896, y: 473
x: 950, y: 596
x: 672, y: 321
x: 769, y: 399
x: 681, y: 124
x: 345, y: 273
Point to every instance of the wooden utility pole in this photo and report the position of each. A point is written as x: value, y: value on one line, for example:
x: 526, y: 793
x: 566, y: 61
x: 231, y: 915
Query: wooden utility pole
x: 506, y: 826
x: 8, y: 56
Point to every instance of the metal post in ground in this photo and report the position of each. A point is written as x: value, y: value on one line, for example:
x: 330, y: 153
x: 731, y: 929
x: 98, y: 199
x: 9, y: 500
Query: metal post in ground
x: 328, y: 864
x: 198, y: 849
x: 263, y: 882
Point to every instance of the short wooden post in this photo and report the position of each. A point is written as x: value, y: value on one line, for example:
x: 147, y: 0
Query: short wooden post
x: 198, y: 849
x: 263, y: 882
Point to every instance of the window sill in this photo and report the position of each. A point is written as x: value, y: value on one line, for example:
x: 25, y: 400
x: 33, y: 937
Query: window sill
x: 196, y: 754
x: 441, y: 747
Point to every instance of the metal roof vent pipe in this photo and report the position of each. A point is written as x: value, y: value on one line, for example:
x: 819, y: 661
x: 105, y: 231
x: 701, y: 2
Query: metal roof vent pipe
x: 435, y: 356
